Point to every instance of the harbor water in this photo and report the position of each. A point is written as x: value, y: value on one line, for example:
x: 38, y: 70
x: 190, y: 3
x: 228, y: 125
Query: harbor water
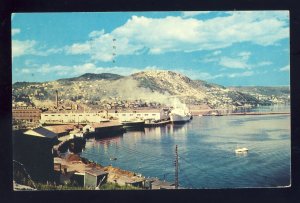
x: 206, y: 149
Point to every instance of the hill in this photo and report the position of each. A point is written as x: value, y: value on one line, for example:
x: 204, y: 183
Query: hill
x: 151, y: 88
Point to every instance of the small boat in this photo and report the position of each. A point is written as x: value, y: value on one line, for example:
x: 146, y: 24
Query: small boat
x: 112, y: 158
x: 241, y: 150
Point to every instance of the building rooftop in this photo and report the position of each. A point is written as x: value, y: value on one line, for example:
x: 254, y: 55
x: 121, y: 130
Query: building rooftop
x: 144, y: 110
x: 140, y: 110
x: 96, y: 172
x: 162, y: 183
x: 41, y: 132
x: 60, y: 128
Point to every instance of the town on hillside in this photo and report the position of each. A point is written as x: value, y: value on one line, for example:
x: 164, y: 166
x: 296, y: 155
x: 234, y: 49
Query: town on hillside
x: 56, y: 118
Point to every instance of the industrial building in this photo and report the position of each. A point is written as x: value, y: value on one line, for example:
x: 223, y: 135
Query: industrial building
x: 71, y: 117
x: 97, y: 117
x: 154, y: 114
x: 31, y: 115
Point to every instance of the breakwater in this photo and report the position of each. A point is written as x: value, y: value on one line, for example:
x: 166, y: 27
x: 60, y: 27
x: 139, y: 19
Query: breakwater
x: 248, y: 114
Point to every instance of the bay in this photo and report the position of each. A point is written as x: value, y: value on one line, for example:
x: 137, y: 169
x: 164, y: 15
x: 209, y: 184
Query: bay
x: 206, y: 151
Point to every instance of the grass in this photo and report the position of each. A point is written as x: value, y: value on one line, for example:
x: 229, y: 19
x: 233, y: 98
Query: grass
x: 114, y: 186
x: 106, y: 186
x: 44, y: 186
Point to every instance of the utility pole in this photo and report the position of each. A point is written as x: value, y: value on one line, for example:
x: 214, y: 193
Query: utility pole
x: 56, y: 99
x: 176, y: 168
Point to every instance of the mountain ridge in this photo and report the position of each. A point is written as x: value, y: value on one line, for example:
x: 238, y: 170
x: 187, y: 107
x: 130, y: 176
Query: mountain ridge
x: 93, y: 76
x: 147, y: 86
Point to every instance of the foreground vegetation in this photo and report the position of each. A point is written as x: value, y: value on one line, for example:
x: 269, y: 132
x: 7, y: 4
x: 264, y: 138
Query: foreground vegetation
x: 106, y: 186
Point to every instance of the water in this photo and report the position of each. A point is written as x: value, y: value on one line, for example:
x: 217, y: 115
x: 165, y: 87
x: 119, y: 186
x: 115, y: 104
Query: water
x: 273, y: 108
x: 206, y: 151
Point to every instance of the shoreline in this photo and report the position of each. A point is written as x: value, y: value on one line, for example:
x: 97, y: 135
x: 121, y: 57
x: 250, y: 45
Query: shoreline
x: 115, y: 175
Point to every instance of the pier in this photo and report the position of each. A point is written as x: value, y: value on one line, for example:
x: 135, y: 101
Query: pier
x: 153, y: 124
x: 259, y: 113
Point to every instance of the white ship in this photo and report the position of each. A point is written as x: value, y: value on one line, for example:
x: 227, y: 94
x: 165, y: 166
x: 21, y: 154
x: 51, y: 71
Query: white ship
x: 180, y: 115
x: 241, y: 150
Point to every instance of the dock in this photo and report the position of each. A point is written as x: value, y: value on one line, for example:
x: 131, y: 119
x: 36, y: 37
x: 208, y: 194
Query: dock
x: 152, y: 124
x: 103, y: 129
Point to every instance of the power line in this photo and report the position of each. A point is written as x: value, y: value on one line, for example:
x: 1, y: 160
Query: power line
x: 138, y: 153
x: 190, y: 163
x: 186, y: 177
x: 176, y: 168
x: 24, y: 169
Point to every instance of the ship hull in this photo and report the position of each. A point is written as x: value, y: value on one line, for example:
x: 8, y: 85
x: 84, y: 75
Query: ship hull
x: 129, y: 124
x: 175, y: 118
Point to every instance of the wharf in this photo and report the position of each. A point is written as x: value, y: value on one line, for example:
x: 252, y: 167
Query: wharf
x: 103, y: 129
x: 157, y: 124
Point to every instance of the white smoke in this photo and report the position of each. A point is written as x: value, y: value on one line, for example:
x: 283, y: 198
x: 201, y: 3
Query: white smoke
x: 128, y: 88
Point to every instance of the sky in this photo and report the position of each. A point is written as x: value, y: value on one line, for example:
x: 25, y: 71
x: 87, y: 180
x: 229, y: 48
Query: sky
x: 232, y: 48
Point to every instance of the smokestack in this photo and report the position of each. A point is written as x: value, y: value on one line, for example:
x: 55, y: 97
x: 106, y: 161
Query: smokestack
x: 56, y: 99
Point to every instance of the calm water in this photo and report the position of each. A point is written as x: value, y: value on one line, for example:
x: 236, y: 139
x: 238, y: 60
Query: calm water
x: 206, y: 151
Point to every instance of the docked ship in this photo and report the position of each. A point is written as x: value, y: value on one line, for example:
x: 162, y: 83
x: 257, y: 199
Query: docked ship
x: 180, y: 116
x: 133, y: 123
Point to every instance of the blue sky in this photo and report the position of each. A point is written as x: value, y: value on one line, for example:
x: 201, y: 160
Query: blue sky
x: 227, y: 48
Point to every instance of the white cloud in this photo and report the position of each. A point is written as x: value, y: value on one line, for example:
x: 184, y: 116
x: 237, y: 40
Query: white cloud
x: 285, y: 68
x: 51, y: 51
x: 209, y: 76
x: 76, y: 70
x: 29, y: 47
x: 15, y: 31
x: 187, y: 14
x: 245, y: 55
x: 79, y: 49
x: 243, y: 74
x: 233, y: 63
x: 264, y: 63
x: 20, y: 48
x: 170, y: 34
x: 218, y: 52
x: 25, y: 70
x: 96, y: 33
x: 210, y: 59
